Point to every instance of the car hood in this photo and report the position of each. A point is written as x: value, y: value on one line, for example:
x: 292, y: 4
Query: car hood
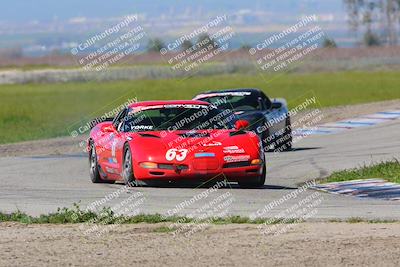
x: 154, y: 146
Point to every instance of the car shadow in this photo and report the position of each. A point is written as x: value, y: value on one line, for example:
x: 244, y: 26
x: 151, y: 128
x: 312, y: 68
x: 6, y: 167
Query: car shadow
x: 270, y: 187
x: 293, y: 149
x: 182, y: 185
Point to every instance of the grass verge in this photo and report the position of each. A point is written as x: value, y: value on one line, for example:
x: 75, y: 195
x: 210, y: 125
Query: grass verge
x: 37, y: 111
x: 389, y: 171
x: 106, y: 216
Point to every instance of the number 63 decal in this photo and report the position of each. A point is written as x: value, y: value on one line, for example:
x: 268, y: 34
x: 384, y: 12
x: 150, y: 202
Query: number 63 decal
x: 178, y: 154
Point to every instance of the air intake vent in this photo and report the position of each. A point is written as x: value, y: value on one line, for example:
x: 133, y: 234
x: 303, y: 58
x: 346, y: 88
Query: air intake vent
x: 194, y: 135
x: 237, y: 164
x: 149, y: 135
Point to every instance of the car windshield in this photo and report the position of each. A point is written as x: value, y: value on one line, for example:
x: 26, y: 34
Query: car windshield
x: 178, y: 117
x: 238, y: 101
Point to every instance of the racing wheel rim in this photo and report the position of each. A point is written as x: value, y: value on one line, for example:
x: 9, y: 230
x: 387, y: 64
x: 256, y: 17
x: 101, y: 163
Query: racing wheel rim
x: 93, y: 162
x: 127, y: 165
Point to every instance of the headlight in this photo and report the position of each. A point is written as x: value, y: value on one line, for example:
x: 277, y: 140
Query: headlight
x: 256, y: 162
x: 149, y: 165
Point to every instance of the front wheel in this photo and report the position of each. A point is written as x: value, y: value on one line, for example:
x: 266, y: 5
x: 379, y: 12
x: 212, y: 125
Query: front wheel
x: 256, y: 183
x: 93, y: 165
x: 127, y: 169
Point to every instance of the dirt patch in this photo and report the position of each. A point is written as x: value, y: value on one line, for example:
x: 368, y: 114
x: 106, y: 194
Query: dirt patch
x: 54, y: 146
x: 70, y: 145
x: 308, y: 244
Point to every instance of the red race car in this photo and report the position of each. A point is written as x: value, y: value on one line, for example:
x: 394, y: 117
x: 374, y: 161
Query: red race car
x: 175, y: 141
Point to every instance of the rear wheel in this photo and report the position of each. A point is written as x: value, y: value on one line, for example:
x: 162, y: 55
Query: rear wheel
x: 93, y: 165
x: 127, y: 167
x: 256, y: 183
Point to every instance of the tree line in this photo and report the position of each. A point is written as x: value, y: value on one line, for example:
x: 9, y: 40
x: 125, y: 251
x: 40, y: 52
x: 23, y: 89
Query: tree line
x: 376, y: 20
x: 156, y: 44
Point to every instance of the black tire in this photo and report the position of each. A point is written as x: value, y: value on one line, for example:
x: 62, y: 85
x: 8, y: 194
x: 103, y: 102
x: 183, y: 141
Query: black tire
x: 93, y: 165
x: 127, y: 167
x: 257, y: 183
x: 288, y: 134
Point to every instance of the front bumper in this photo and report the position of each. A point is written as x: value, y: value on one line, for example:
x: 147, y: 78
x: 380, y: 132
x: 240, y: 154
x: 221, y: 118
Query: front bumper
x: 230, y: 173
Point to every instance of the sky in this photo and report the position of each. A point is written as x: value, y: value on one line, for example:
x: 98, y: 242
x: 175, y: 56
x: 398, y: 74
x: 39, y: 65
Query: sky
x: 48, y: 10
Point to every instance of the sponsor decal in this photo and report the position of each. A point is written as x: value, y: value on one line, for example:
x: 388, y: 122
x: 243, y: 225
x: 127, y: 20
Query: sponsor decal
x: 143, y: 108
x: 113, y: 151
x: 111, y: 170
x: 178, y: 154
x: 236, y: 158
x: 223, y: 94
x: 142, y: 127
x: 112, y: 160
x: 204, y: 155
x: 231, y: 147
x: 235, y: 151
x: 190, y: 106
x: 213, y: 144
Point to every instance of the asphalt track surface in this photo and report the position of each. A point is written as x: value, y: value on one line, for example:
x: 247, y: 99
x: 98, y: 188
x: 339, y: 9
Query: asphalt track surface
x: 41, y: 184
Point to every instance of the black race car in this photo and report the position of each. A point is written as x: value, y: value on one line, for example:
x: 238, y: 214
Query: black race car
x: 268, y: 118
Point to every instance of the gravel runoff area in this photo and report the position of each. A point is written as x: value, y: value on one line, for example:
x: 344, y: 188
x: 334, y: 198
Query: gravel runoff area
x: 305, y: 244
x: 70, y: 145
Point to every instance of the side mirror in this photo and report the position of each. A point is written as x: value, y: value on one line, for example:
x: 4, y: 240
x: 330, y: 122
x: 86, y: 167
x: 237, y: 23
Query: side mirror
x: 241, y: 124
x: 109, y: 129
x: 276, y: 105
